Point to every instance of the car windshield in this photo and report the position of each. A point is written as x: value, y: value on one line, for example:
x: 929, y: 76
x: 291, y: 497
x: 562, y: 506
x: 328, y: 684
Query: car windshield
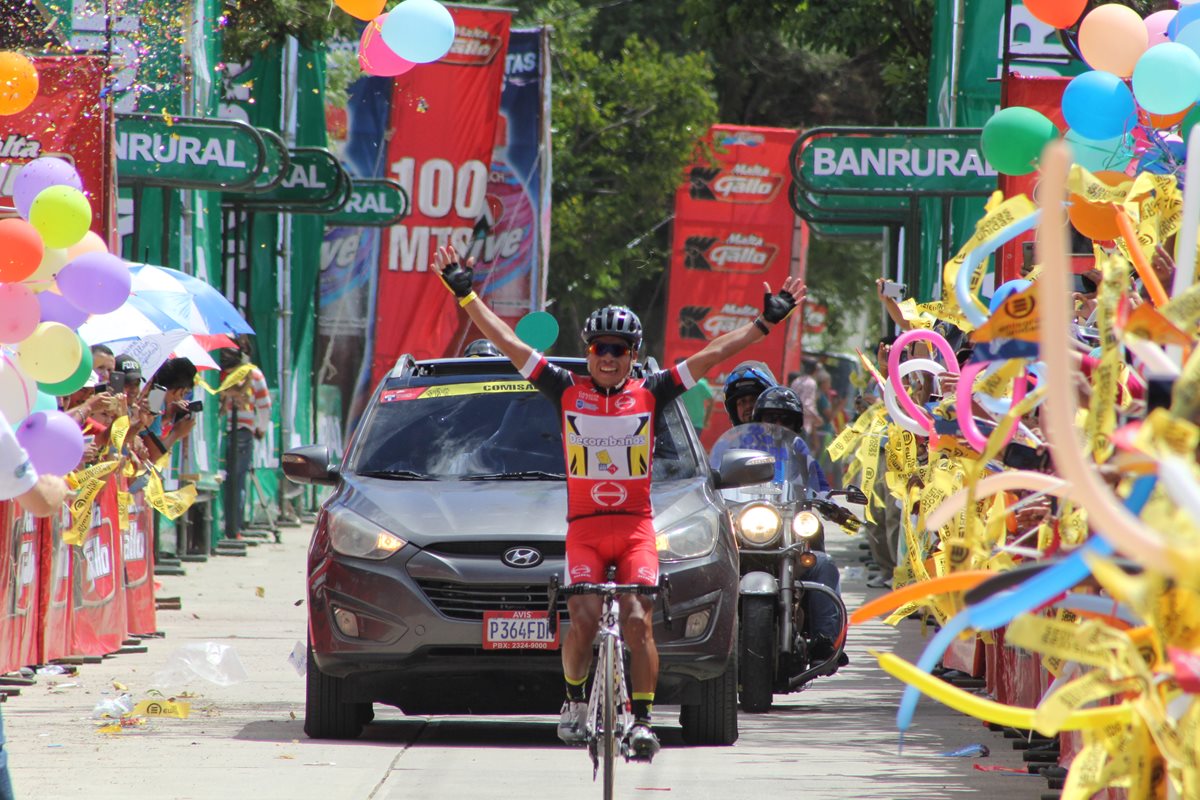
x: 494, y: 430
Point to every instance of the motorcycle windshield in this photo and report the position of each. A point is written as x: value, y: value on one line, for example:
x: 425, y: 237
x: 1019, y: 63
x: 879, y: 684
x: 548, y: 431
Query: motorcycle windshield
x: 775, y: 440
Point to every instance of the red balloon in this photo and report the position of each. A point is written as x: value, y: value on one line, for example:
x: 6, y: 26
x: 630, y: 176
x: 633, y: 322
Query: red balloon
x: 1059, y: 13
x: 21, y: 250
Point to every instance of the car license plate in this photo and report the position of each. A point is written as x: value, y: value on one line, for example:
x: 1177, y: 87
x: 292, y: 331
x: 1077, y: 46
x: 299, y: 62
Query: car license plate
x: 518, y: 630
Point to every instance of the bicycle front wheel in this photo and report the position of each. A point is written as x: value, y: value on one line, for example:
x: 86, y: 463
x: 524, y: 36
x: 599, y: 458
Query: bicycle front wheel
x: 608, y: 712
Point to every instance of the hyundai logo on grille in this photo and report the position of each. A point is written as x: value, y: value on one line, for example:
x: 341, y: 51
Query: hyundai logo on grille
x: 522, y: 557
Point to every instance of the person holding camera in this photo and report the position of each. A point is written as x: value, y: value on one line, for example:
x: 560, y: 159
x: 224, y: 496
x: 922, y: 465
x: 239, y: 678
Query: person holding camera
x: 248, y: 397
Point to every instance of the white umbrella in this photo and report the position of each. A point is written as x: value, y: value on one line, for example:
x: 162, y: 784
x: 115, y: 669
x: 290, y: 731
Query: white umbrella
x: 152, y: 350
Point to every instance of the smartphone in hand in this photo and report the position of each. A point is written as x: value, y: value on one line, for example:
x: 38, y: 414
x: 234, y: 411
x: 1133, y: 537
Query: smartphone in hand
x: 894, y: 290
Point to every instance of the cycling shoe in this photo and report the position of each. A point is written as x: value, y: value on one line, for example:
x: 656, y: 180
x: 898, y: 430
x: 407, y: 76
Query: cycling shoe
x: 640, y: 743
x: 572, y: 725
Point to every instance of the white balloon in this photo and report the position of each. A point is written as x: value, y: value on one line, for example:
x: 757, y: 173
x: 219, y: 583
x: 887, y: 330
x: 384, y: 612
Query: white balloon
x: 893, y: 405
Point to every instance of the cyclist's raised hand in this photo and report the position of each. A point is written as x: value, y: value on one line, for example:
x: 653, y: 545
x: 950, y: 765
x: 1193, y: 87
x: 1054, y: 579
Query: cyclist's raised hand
x: 457, y: 276
x: 776, y: 307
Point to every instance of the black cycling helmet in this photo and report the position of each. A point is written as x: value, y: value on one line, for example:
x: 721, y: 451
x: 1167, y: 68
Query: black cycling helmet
x: 749, y: 378
x: 481, y: 348
x: 614, y: 321
x: 781, y: 400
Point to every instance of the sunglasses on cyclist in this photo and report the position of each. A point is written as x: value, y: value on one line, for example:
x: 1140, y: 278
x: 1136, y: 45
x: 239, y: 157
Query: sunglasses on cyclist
x: 608, y: 349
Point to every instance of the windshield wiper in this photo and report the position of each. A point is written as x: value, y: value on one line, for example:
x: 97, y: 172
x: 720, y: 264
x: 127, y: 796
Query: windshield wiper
x: 396, y: 475
x: 523, y: 475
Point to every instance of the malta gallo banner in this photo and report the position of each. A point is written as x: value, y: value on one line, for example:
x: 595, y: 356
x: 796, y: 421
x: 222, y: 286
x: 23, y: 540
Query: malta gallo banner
x: 734, y: 229
x: 69, y: 120
x: 444, y: 129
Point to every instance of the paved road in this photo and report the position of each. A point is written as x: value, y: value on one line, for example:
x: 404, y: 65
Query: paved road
x: 836, y: 740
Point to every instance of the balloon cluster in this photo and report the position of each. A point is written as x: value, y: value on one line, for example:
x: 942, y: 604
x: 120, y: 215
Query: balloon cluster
x: 1130, y: 113
x: 414, y: 32
x: 54, y: 273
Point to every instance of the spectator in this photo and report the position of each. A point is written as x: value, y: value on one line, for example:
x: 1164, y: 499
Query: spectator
x: 166, y: 412
x: 250, y: 400
x: 805, y: 388
x: 102, y: 362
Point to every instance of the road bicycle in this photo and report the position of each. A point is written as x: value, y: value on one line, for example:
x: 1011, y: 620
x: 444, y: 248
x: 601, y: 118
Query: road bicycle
x: 609, y: 715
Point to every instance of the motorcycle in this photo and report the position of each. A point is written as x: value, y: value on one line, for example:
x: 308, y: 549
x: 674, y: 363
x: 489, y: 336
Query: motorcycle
x: 779, y: 527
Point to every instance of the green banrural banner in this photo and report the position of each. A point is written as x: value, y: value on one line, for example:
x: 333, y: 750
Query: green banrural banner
x: 904, y: 163
x: 373, y: 202
x: 188, y: 152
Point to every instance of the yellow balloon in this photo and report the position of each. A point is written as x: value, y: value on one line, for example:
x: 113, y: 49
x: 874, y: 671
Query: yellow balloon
x: 363, y: 9
x: 61, y: 214
x: 90, y: 243
x: 989, y: 710
x: 51, y: 353
x: 53, y: 260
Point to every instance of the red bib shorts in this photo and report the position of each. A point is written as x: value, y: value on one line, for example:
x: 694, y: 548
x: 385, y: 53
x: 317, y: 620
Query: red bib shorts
x: 626, y: 540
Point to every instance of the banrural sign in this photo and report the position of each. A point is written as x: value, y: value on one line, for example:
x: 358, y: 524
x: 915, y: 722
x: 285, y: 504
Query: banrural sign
x: 314, y: 182
x: 372, y: 203
x: 187, y: 152
x: 896, y: 161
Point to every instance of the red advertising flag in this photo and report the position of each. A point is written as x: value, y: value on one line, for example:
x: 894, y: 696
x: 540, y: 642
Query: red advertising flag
x: 734, y: 230
x: 69, y: 119
x: 443, y: 120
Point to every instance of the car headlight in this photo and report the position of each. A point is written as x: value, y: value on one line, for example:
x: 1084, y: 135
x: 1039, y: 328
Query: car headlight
x: 353, y: 535
x: 806, y: 525
x: 759, y: 524
x: 695, y: 537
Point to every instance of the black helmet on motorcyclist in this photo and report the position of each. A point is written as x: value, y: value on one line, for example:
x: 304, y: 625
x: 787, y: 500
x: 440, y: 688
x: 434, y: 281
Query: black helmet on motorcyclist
x: 481, y: 348
x: 779, y: 405
x: 747, y: 379
x: 614, y: 321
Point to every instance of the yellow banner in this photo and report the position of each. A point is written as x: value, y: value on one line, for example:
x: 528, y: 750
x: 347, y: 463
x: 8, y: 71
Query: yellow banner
x: 1016, y: 318
x: 88, y: 483
x: 163, y: 708
x: 232, y: 379
x: 173, y: 504
x: 118, y: 432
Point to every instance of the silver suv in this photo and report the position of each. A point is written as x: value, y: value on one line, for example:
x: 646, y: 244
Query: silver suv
x: 429, y: 564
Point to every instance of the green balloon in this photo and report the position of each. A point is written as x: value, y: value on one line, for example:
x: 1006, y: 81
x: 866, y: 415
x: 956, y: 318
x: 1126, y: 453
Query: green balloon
x: 1014, y: 137
x: 1189, y: 121
x: 76, y: 380
x: 538, y: 329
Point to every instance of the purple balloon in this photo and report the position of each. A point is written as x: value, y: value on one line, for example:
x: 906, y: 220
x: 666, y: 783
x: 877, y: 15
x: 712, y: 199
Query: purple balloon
x: 95, y: 282
x: 39, y: 174
x: 53, y: 441
x: 56, y: 308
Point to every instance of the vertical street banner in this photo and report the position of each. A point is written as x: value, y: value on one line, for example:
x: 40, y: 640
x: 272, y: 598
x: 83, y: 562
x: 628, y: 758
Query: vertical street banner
x: 70, y: 120
x: 734, y: 230
x: 514, y: 253
x: 443, y: 124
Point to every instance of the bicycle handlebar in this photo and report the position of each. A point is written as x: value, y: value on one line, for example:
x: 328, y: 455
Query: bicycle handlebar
x: 662, y: 589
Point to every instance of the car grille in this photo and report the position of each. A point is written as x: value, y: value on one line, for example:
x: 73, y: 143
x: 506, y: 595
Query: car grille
x: 469, y: 601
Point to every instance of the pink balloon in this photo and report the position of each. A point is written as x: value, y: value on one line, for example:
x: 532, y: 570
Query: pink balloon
x: 39, y: 174
x: 95, y: 282
x: 56, y: 308
x: 375, y: 57
x: 53, y: 441
x: 21, y: 312
x: 1156, y: 26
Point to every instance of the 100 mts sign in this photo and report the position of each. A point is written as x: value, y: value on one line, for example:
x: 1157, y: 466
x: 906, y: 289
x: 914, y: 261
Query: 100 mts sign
x: 440, y: 189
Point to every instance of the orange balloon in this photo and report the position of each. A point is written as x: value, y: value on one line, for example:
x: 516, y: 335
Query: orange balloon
x: 1059, y: 13
x: 18, y: 82
x: 1112, y: 37
x: 1162, y: 120
x: 1097, y: 221
x: 363, y: 9
x: 91, y: 242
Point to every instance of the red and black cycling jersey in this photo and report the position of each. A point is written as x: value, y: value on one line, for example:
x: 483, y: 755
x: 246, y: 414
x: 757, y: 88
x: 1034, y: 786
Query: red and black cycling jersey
x: 608, y: 435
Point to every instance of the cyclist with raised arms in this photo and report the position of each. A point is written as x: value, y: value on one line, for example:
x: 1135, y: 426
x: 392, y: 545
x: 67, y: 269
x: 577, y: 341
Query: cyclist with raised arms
x: 608, y: 434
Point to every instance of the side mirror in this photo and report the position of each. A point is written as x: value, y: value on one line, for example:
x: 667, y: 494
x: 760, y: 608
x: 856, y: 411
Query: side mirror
x: 744, y: 468
x: 310, y: 465
x: 852, y: 493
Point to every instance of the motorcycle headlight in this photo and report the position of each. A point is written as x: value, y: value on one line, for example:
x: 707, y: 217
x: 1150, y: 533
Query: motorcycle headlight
x: 806, y: 525
x: 353, y: 535
x: 695, y: 537
x: 759, y: 524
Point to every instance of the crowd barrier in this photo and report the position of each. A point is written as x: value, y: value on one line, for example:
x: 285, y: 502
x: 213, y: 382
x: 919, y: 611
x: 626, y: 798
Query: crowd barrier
x: 63, y: 601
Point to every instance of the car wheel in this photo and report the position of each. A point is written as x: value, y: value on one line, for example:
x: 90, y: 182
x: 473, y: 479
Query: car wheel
x: 758, y: 653
x: 326, y: 714
x: 713, y: 721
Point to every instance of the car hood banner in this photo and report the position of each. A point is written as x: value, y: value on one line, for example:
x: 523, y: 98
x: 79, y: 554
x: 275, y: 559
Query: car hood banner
x: 443, y: 123
x: 734, y: 229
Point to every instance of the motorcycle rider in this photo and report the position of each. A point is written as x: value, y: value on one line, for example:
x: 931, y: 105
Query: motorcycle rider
x: 751, y: 395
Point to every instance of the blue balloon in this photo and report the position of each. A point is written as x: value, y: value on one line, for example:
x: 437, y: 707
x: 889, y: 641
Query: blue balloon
x: 1163, y: 163
x: 1185, y: 17
x: 1189, y: 37
x: 1166, y: 79
x: 1098, y: 105
x: 420, y: 31
x: 1110, y: 154
x: 1007, y: 290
